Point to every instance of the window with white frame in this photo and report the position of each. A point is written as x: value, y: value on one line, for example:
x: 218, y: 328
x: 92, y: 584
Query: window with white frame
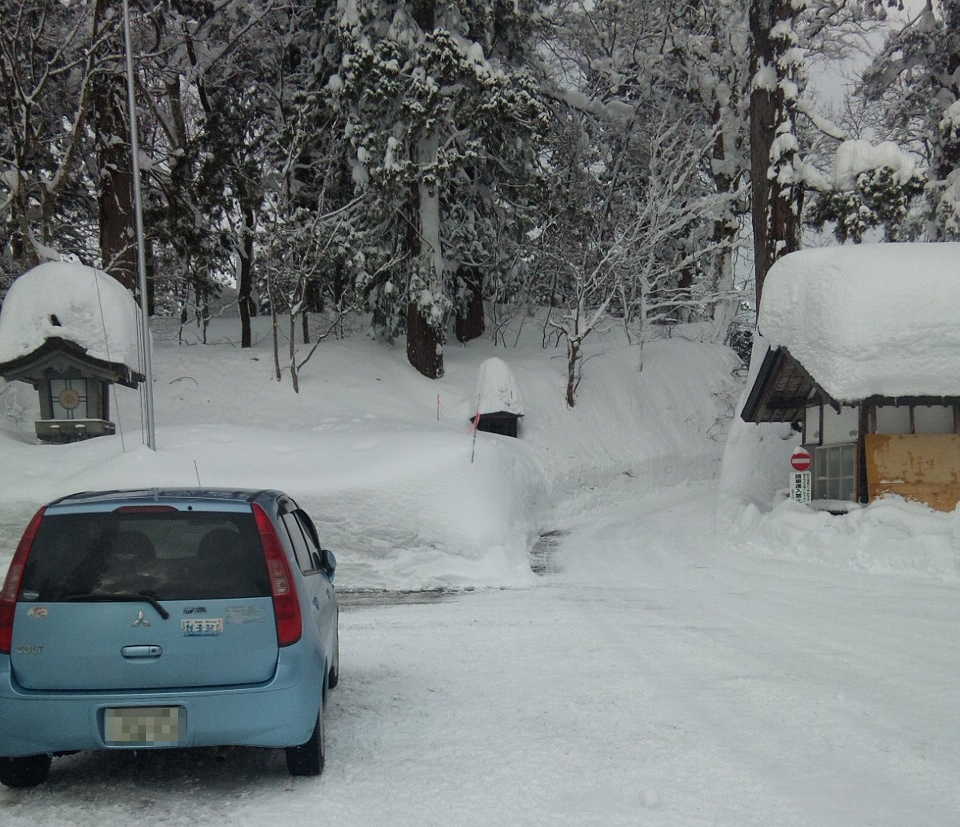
x: 835, y: 472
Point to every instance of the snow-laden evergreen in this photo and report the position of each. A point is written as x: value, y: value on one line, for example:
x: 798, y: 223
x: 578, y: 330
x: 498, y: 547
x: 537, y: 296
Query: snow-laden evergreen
x: 914, y: 80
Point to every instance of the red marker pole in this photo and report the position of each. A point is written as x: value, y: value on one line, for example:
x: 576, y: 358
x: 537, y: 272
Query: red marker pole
x: 473, y: 449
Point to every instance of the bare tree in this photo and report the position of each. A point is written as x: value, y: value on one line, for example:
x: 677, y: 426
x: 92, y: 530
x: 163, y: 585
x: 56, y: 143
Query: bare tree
x: 50, y: 55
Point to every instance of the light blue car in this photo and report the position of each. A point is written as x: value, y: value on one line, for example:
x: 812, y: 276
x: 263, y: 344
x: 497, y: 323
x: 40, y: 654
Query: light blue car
x: 166, y: 618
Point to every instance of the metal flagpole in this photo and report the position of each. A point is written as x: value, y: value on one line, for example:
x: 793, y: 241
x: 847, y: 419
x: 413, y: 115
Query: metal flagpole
x: 141, y: 253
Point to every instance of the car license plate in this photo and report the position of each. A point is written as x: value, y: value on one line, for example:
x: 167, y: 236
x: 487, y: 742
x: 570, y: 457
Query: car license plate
x: 143, y: 725
x: 202, y: 626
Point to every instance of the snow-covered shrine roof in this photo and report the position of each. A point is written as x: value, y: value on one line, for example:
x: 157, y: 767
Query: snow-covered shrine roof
x: 869, y: 319
x: 93, y: 309
x: 497, y: 390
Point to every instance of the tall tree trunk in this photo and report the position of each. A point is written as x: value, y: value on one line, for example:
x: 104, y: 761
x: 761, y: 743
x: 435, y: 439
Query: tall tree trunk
x: 424, y: 344
x: 470, y: 321
x: 424, y: 312
x: 573, y: 361
x: 294, y: 373
x: 725, y: 228
x: 150, y: 260
x: 118, y: 250
x: 776, y: 202
x: 245, y: 286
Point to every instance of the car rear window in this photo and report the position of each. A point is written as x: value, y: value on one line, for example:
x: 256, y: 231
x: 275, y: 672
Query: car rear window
x: 176, y: 555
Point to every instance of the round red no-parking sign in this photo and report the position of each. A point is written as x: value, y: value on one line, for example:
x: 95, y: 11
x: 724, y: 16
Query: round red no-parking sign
x: 801, y: 460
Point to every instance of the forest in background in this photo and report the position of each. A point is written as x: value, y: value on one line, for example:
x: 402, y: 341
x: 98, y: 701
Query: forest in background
x: 444, y: 166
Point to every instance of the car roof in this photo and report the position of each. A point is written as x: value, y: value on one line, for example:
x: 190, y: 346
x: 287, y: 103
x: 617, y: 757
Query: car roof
x: 168, y: 494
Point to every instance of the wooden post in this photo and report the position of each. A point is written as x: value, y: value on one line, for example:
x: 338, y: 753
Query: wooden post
x: 863, y: 492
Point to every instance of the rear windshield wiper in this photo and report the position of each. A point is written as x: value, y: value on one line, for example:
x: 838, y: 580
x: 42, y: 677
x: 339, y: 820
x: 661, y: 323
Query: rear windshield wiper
x: 120, y: 597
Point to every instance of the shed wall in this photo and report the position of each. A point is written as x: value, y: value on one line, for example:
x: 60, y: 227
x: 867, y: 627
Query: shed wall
x: 923, y: 467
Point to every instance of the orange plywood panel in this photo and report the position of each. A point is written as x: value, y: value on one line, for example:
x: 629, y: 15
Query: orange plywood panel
x: 922, y: 467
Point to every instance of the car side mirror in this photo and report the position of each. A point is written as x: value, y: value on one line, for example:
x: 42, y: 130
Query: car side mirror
x: 329, y: 565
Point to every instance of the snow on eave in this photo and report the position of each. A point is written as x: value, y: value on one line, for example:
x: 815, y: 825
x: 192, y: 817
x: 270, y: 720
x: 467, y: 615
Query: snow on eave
x: 70, y: 301
x: 869, y: 320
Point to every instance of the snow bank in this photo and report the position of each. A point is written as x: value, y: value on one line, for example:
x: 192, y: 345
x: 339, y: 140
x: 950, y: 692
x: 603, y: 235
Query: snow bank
x: 92, y: 309
x: 403, y: 508
x: 869, y: 319
x: 381, y: 456
x: 891, y: 535
x: 755, y: 458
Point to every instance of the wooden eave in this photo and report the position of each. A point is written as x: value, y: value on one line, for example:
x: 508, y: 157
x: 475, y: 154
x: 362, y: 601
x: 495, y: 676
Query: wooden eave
x: 32, y: 367
x: 878, y: 401
x: 782, y: 390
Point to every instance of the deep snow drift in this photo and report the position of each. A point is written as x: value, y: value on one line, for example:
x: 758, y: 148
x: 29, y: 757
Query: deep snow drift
x: 383, y: 458
x: 660, y: 672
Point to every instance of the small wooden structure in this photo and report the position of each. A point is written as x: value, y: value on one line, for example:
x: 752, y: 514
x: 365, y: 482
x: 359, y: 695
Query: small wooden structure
x: 499, y: 408
x: 70, y: 331
x: 500, y: 422
x: 865, y: 342
x: 863, y: 448
x: 74, y: 389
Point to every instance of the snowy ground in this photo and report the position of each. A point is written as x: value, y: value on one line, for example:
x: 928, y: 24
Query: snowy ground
x: 651, y: 679
x: 663, y: 670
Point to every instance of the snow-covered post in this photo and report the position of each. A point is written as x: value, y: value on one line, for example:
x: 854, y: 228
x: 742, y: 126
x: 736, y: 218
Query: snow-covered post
x: 499, y: 405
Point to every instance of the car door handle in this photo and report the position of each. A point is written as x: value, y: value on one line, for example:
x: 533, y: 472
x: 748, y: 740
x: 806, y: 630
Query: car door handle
x: 316, y: 602
x: 148, y: 651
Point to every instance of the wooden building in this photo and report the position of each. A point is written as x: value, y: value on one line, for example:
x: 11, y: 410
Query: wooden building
x: 74, y: 389
x: 863, y: 448
x: 863, y: 363
x: 71, y: 332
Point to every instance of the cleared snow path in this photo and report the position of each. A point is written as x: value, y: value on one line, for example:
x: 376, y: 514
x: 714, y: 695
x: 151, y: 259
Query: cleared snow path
x: 653, y: 679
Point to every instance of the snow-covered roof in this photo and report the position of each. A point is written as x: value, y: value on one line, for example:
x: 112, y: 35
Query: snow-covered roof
x: 93, y: 310
x: 497, y: 390
x: 869, y: 319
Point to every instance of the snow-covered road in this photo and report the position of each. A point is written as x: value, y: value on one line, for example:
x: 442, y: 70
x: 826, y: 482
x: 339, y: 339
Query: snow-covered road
x: 653, y: 678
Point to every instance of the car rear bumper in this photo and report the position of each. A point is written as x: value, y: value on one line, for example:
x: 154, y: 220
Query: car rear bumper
x: 278, y: 713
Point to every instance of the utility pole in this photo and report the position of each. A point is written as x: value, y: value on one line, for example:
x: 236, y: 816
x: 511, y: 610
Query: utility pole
x: 141, y: 253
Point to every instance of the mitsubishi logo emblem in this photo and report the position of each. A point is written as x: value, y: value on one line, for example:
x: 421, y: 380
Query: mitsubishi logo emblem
x: 140, y: 620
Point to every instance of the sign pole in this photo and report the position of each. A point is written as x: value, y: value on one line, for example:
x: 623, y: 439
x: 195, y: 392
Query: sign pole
x: 141, y: 253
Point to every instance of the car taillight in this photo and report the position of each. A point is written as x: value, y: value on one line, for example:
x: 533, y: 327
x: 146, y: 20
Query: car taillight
x: 11, y: 586
x: 286, y: 604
